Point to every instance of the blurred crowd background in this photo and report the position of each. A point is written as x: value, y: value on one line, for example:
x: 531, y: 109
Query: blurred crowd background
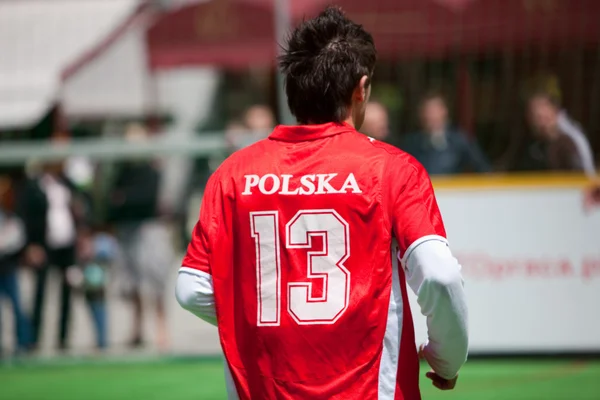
x: 114, y: 113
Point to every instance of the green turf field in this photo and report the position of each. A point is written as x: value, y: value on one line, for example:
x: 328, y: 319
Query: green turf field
x: 202, y: 379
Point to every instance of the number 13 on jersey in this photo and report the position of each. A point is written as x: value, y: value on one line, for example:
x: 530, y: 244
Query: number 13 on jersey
x: 327, y: 264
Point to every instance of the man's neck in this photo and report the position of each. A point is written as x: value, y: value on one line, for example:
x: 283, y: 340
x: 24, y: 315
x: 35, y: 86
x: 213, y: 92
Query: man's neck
x: 350, y: 121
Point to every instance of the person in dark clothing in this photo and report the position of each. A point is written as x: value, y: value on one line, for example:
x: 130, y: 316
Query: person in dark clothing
x: 134, y: 212
x: 441, y: 149
x: 12, y: 242
x: 135, y: 194
x: 51, y: 210
x: 560, y: 144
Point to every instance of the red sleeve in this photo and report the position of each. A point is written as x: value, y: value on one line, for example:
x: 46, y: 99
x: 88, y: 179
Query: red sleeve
x: 413, y: 208
x: 198, y: 253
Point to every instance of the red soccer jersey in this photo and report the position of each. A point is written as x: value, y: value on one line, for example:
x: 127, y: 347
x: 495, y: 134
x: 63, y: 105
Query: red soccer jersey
x: 297, y: 234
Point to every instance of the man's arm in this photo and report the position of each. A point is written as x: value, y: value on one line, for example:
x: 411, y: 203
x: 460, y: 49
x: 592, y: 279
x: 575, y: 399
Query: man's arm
x: 432, y: 272
x: 194, y: 290
x: 434, y: 275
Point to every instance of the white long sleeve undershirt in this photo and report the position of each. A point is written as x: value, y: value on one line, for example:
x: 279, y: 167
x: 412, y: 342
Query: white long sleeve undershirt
x: 434, y: 275
x: 194, y: 292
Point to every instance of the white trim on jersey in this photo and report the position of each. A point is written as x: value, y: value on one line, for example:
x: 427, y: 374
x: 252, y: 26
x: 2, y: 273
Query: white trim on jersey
x: 434, y: 275
x: 194, y: 292
x: 419, y: 242
x: 388, y: 368
x: 232, y: 393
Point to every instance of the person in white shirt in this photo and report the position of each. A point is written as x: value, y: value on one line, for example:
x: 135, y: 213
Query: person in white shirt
x: 47, y: 208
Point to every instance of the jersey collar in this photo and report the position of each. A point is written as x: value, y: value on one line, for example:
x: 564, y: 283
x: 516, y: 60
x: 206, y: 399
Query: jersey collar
x: 300, y: 133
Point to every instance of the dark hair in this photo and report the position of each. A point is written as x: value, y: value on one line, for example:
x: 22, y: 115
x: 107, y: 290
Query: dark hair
x: 323, y: 62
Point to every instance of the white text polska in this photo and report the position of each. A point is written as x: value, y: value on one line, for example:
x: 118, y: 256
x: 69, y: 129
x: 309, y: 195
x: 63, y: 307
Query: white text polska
x: 305, y: 185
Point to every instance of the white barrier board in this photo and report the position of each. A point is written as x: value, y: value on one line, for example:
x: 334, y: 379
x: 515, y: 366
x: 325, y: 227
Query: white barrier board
x: 531, y: 263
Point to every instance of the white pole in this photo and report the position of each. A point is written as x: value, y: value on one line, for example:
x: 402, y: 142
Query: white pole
x: 282, y: 27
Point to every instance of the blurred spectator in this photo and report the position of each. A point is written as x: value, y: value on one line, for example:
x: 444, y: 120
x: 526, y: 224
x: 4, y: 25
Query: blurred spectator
x: 96, y: 252
x: 12, y: 242
x: 134, y: 211
x: 79, y: 170
x: 51, y: 210
x: 258, y: 122
x: 441, y: 149
x: 562, y: 145
x: 259, y: 118
x: 376, y: 123
x: 235, y: 127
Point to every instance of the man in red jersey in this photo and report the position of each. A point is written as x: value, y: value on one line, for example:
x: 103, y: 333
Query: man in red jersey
x: 296, y: 253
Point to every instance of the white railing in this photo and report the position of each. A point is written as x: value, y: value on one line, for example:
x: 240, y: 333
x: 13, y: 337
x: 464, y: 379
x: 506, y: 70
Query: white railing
x: 20, y: 152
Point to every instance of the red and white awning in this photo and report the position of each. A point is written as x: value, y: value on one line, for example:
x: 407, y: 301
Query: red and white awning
x: 43, y: 41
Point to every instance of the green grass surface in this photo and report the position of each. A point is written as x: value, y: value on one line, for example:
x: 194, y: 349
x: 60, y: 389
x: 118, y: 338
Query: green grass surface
x: 202, y: 379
